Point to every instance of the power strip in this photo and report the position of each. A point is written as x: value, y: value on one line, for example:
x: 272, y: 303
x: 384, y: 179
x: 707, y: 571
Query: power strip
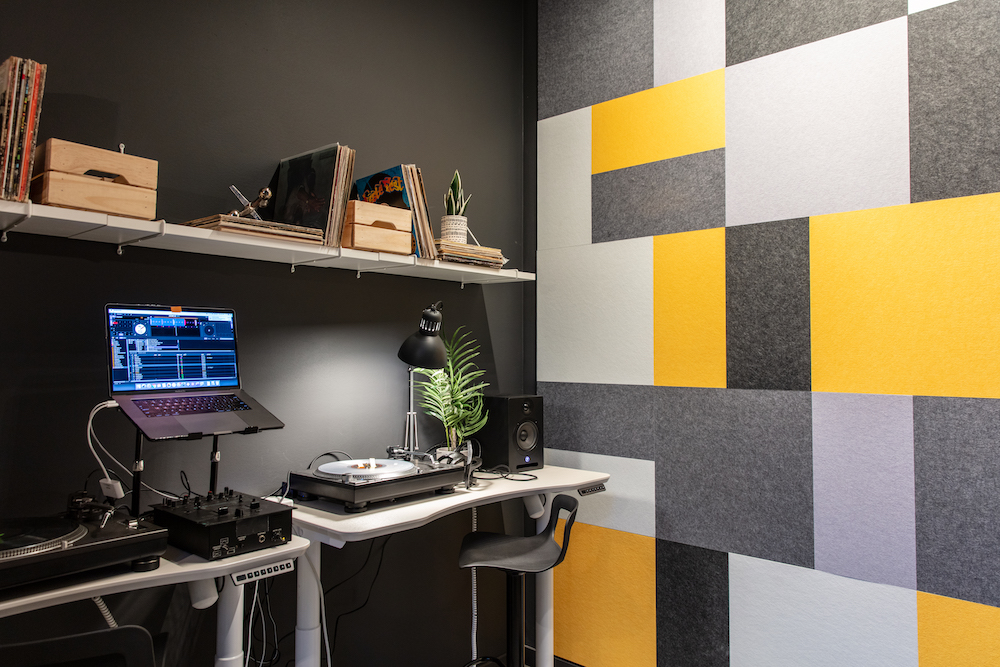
x: 249, y: 576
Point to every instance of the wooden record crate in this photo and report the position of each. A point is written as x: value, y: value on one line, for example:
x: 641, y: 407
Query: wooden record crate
x: 378, y: 227
x: 93, y: 179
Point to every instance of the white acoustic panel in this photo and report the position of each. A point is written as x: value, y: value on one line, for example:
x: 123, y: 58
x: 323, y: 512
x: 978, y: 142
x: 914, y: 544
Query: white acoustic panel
x: 629, y: 504
x: 786, y: 616
x: 820, y: 128
x: 689, y: 38
x: 564, y: 174
x: 595, y: 313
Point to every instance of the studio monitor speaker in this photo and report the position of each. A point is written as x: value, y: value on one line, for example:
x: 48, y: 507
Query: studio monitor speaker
x: 512, y: 436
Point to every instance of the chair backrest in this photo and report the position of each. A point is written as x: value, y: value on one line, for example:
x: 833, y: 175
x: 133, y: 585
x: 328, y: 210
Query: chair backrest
x: 126, y: 645
x: 559, y: 504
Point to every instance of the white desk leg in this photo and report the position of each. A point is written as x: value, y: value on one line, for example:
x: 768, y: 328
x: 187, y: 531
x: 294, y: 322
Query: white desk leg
x: 544, y: 642
x: 308, y: 631
x: 229, y: 630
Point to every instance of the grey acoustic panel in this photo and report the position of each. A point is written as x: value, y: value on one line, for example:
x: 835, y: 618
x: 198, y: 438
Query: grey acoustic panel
x: 734, y: 471
x: 592, y: 54
x: 953, y: 119
x: 692, y: 606
x: 612, y: 419
x: 756, y: 28
x: 677, y: 195
x: 767, y: 306
x: 957, y: 473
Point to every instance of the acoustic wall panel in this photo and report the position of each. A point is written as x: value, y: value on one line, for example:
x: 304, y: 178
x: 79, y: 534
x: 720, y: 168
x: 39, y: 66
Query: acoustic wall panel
x: 955, y: 633
x: 629, y: 502
x: 784, y: 616
x: 676, y: 195
x: 767, y: 306
x: 605, y: 599
x: 689, y: 295
x: 957, y: 472
x: 737, y: 439
x: 689, y: 38
x: 863, y: 494
x: 595, y: 313
x: 668, y: 121
x: 608, y: 419
x: 587, y: 57
x: 820, y: 128
x: 918, y: 285
x: 756, y: 28
x: 564, y: 180
x: 953, y: 119
x: 692, y: 606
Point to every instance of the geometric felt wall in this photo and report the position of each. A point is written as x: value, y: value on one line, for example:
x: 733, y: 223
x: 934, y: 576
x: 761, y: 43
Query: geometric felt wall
x: 767, y: 304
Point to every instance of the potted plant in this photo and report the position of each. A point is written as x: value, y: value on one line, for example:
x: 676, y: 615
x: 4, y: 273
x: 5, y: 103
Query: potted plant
x: 453, y: 394
x: 454, y: 224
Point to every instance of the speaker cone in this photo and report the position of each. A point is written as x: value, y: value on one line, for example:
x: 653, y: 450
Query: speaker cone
x: 527, y: 436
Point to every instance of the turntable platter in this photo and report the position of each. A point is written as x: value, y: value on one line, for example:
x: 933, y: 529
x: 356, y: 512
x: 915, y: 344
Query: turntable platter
x: 22, y: 537
x: 366, y: 470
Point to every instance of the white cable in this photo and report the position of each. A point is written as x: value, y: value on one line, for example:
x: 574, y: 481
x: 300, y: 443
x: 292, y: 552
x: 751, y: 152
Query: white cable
x: 90, y: 430
x: 129, y: 472
x: 105, y: 612
x: 253, y: 606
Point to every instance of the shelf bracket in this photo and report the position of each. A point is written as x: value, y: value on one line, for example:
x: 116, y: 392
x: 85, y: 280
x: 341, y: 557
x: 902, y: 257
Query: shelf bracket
x: 26, y: 216
x: 162, y: 232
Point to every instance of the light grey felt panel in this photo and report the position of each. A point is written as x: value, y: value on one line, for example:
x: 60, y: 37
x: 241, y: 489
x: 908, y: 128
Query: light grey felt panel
x: 767, y: 306
x: 677, y: 195
x: 954, y: 53
x: 734, y: 471
x: 692, y: 606
x: 756, y: 28
x: 957, y: 471
x: 863, y: 487
x: 611, y: 419
x: 592, y: 52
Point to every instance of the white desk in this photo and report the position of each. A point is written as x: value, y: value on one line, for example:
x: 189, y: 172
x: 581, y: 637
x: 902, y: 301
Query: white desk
x: 336, y: 527
x: 176, y: 567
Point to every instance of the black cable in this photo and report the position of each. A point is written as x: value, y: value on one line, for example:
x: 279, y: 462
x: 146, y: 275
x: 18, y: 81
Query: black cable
x: 184, y: 482
x: 371, y: 543
x: 336, y: 451
x: 336, y: 622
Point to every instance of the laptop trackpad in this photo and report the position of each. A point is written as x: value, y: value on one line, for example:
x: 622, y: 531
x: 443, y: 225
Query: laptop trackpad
x: 215, y: 422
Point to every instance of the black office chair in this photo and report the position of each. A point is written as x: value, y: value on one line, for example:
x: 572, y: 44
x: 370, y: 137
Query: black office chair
x: 124, y: 646
x: 516, y: 556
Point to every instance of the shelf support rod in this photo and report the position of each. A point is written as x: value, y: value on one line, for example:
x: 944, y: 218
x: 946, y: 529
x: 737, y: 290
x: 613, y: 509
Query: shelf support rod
x: 26, y: 216
x: 162, y: 232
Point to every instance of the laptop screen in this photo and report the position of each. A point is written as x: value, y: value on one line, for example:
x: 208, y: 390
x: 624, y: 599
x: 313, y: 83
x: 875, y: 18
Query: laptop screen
x: 167, y: 348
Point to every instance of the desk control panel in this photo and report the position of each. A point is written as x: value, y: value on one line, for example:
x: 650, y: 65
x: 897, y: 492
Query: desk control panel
x: 226, y: 524
x: 258, y: 573
x: 588, y: 490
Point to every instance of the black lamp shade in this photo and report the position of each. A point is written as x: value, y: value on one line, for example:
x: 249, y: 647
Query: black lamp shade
x: 425, y: 349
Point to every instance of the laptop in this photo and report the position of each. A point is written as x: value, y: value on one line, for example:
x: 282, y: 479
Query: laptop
x: 174, y: 371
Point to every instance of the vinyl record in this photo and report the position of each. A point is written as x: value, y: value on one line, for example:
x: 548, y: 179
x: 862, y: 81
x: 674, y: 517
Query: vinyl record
x: 22, y: 537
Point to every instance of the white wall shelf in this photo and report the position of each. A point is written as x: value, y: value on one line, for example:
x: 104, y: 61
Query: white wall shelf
x: 123, y: 232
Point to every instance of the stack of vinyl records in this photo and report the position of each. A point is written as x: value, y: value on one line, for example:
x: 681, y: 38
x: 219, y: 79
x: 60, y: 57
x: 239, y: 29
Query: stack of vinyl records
x: 465, y: 253
x: 22, y: 82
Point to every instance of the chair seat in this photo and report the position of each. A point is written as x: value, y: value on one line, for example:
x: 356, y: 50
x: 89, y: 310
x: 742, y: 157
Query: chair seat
x: 509, y: 553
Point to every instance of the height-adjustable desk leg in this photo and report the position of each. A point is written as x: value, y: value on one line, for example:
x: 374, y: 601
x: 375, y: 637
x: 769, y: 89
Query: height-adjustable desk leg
x: 544, y: 617
x: 229, y: 633
x: 308, y: 629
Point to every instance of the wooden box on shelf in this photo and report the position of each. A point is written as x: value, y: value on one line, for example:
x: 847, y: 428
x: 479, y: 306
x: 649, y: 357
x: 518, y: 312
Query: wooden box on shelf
x: 93, y: 179
x: 377, y: 227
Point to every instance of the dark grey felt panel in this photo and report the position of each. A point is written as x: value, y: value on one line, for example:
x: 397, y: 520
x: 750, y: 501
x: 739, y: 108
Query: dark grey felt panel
x: 734, y: 471
x: 756, y: 28
x: 957, y: 477
x: 954, y: 77
x: 677, y: 195
x: 611, y: 419
x: 692, y: 606
x: 767, y: 306
x: 592, y: 52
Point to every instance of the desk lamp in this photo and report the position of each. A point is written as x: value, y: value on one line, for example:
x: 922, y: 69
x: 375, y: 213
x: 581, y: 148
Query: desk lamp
x: 424, y: 349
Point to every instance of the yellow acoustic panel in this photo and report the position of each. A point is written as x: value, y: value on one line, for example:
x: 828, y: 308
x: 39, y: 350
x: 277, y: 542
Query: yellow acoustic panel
x: 905, y: 299
x: 689, y: 309
x: 605, y: 598
x: 956, y: 633
x: 675, y: 119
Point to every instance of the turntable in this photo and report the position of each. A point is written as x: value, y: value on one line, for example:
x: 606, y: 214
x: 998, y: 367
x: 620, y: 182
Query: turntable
x: 42, y: 548
x: 356, y: 483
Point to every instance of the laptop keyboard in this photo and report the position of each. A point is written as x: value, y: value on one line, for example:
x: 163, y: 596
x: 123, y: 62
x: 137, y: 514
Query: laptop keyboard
x: 172, y: 406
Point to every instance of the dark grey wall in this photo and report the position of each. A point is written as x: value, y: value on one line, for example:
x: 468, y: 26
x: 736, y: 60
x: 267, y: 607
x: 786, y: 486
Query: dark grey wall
x: 218, y: 93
